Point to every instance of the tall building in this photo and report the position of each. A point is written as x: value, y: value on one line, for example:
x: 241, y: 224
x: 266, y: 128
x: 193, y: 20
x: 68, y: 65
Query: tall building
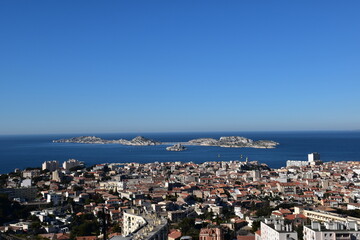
x: 56, y: 176
x: 67, y: 165
x: 50, y: 165
x: 256, y: 175
x: 313, y: 157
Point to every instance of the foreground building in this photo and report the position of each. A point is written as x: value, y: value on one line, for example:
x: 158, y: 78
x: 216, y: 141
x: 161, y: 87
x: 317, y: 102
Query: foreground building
x: 147, y: 226
x: 276, y: 229
x: 332, y: 231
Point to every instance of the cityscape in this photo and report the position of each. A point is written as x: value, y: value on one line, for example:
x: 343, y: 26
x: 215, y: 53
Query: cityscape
x: 245, y: 200
x: 179, y: 120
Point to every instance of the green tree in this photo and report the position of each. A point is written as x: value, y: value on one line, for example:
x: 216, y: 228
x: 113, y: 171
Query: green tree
x: 117, y: 228
x: 85, y: 225
x: 255, y: 226
x: 299, y: 231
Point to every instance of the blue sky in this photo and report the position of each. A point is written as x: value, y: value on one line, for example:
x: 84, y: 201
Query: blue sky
x: 157, y: 66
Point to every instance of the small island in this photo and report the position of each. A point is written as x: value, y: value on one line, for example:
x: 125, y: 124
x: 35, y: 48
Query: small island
x: 137, y: 141
x: 176, y: 148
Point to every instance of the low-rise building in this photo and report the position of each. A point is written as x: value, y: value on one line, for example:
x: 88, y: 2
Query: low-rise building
x: 211, y: 233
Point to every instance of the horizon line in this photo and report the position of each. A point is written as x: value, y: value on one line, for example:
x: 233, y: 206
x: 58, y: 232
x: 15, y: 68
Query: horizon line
x: 157, y: 132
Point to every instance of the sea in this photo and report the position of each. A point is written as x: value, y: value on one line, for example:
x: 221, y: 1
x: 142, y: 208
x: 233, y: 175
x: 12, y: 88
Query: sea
x: 22, y: 151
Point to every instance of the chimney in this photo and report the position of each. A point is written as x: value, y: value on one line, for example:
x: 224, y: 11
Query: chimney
x: 277, y: 227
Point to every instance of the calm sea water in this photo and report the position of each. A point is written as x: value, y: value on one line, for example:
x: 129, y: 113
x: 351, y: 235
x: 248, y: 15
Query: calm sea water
x: 31, y: 151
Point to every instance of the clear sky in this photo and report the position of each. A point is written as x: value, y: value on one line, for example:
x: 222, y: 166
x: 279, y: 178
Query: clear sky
x: 180, y: 65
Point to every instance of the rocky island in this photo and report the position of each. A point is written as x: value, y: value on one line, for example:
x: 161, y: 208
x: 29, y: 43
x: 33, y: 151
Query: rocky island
x: 137, y: 141
x: 233, y: 141
x: 176, y: 148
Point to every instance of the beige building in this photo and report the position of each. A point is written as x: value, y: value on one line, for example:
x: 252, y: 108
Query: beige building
x: 211, y: 233
x: 50, y: 165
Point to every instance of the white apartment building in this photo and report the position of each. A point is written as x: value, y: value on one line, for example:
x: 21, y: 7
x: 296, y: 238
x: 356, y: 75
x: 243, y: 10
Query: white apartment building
x: 132, y: 222
x: 276, y: 229
x: 113, y: 185
x: 332, y: 231
x: 146, y: 227
x: 55, y: 198
x: 313, y: 159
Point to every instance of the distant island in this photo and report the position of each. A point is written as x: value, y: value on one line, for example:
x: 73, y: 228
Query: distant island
x: 233, y: 141
x: 137, y: 141
x: 176, y: 148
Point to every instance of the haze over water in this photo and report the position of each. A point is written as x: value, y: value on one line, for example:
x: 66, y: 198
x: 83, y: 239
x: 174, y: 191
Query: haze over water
x: 32, y: 150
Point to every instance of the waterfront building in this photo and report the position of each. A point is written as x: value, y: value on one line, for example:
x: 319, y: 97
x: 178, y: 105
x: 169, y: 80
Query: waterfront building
x: 313, y: 159
x: 296, y: 163
x: 67, y: 165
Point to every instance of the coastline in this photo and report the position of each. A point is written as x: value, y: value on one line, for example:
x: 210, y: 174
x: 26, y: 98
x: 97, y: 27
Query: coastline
x: 31, y: 150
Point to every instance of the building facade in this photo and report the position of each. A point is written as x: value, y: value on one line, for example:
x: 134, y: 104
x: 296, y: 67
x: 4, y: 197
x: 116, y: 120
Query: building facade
x: 276, y: 229
x: 332, y: 231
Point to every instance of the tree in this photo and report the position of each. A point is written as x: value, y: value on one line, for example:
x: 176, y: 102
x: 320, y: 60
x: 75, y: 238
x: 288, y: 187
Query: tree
x: 77, y: 188
x: 3, y: 179
x: 299, y: 231
x: 255, y: 226
x: 117, y: 228
x: 187, y: 228
x: 85, y: 225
